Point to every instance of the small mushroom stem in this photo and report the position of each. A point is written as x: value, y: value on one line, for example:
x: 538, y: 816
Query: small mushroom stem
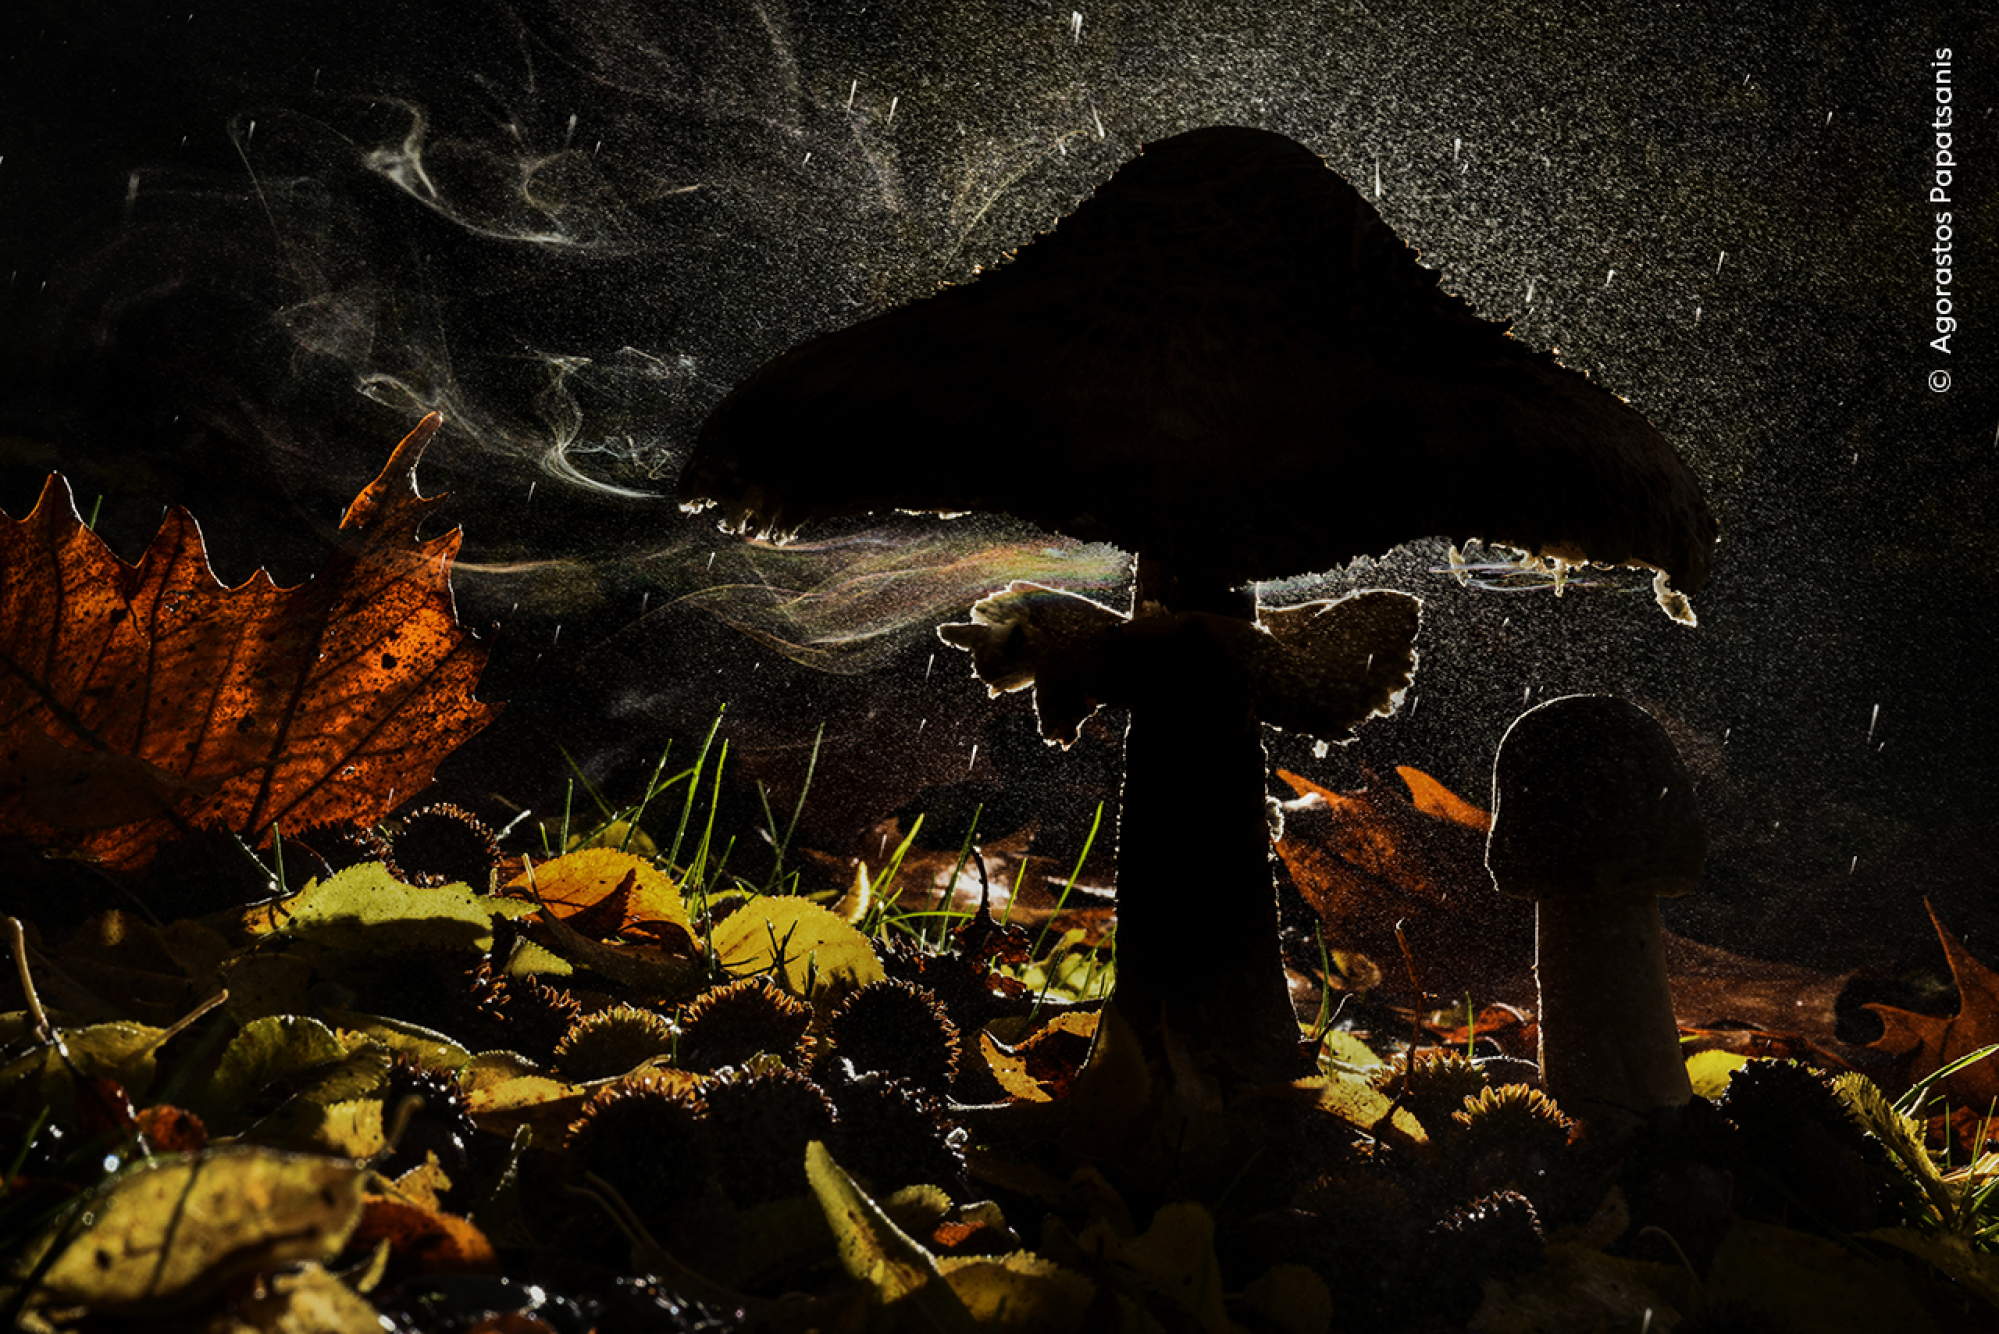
x: 1610, y: 1047
x: 1196, y: 905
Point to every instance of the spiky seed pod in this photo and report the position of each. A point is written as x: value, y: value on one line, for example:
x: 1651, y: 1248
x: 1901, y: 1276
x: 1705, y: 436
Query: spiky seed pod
x: 649, y: 1139
x: 435, y: 988
x: 1512, y: 1135
x: 537, y: 1015
x: 339, y: 844
x: 1502, y: 1229
x: 1515, y: 1113
x: 612, y: 1042
x: 443, y: 844
x: 440, y: 1123
x: 1435, y: 1089
x: 891, y: 1135
x: 729, y: 1024
x: 970, y: 992
x: 761, y: 1125
x: 1812, y: 1161
x: 899, y: 1030
x: 1494, y: 1236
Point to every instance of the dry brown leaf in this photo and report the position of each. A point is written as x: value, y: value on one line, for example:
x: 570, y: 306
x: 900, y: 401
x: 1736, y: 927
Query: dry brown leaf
x: 1930, y: 1042
x: 1371, y: 861
x: 423, y: 1240
x: 138, y: 701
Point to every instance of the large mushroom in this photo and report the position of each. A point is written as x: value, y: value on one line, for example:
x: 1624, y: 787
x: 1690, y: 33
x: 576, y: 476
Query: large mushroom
x: 1225, y: 362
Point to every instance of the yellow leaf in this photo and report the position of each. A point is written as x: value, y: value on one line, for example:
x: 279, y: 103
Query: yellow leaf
x: 811, y: 940
x: 310, y: 1299
x: 1176, y: 1256
x: 1710, y: 1071
x: 1010, y: 1069
x: 1799, y: 1281
x: 1580, y: 1288
x: 178, y: 1229
x: 1021, y: 1291
x: 572, y: 885
x: 877, y: 1252
x: 1112, y: 1090
x: 1951, y: 1252
x: 367, y: 910
x: 1293, y: 1298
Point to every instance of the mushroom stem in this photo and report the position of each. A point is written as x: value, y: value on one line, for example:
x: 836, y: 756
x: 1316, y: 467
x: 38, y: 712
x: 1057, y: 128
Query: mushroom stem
x: 1196, y: 904
x: 1610, y: 1047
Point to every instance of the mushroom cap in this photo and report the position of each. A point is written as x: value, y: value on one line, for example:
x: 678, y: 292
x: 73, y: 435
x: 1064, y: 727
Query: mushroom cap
x: 1225, y: 360
x: 1590, y: 800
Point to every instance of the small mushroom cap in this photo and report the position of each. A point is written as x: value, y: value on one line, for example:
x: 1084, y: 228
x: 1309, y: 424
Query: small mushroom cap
x: 1590, y: 799
x: 1223, y: 360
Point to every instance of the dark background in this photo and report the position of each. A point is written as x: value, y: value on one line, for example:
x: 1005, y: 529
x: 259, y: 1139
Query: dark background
x: 244, y: 246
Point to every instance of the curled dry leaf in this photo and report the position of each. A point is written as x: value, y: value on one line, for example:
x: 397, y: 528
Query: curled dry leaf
x: 1929, y: 1042
x: 137, y: 701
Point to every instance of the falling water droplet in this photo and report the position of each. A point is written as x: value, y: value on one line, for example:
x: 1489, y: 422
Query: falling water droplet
x: 1873, y: 720
x: 929, y: 666
x: 975, y: 756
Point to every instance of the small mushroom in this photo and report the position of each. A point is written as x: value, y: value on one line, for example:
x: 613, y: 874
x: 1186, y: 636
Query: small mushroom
x: 1594, y: 819
x: 1225, y: 362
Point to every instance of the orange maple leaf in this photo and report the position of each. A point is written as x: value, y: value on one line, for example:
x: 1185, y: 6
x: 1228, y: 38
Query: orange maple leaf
x: 1930, y: 1042
x: 142, y: 700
